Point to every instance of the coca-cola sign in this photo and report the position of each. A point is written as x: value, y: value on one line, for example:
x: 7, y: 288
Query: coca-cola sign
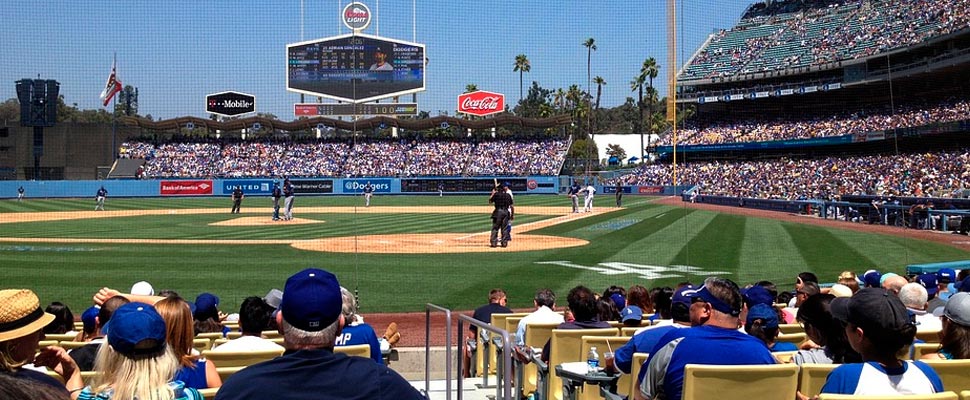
x: 356, y: 16
x: 481, y: 103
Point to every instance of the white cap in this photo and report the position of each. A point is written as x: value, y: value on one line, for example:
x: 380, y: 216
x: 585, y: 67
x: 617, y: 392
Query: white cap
x: 840, y: 290
x: 142, y: 288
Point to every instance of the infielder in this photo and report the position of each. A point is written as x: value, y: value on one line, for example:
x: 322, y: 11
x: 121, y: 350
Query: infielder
x: 590, y: 192
x: 20, y: 193
x: 277, y: 193
x: 574, y: 196
x: 99, y: 198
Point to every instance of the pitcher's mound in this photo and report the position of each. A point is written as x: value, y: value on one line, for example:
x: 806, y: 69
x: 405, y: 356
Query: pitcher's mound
x: 434, y: 243
x: 258, y: 221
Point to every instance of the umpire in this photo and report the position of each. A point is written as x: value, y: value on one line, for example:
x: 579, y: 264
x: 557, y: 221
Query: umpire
x: 503, y: 213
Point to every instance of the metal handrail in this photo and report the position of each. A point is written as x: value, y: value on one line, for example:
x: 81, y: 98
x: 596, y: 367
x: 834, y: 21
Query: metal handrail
x: 427, y: 349
x: 506, y: 386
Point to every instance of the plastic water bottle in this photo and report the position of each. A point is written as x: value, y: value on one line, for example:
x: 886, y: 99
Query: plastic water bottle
x: 593, y: 359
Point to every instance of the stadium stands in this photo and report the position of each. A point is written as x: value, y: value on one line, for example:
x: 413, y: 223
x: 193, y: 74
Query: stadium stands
x: 265, y: 158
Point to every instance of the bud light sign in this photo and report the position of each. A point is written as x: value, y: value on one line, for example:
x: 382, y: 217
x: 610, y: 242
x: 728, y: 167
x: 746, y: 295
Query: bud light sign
x: 481, y: 103
x: 358, y: 185
x: 230, y: 103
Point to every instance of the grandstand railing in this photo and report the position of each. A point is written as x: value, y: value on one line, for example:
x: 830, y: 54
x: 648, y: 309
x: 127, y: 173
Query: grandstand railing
x: 427, y: 349
x: 503, y: 390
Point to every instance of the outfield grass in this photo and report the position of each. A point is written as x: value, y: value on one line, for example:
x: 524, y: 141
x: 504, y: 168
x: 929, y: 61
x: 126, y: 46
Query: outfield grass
x: 643, y: 243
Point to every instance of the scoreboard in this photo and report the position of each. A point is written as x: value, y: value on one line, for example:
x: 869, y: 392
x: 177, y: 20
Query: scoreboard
x: 459, y: 185
x: 355, y: 68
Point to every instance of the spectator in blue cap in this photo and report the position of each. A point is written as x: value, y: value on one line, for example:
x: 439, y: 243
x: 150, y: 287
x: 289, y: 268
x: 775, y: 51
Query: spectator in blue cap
x: 645, y: 340
x: 207, y: 316
x: 89, y: 322
x: 955, y: 335
x: 762, y: 323
x: 311, y: 317
x: 137, y: 363
x: 872, y: 278
x: 945, y: 278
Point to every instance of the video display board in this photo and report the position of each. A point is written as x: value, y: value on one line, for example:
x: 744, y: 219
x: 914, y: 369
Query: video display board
x: 355, y: 68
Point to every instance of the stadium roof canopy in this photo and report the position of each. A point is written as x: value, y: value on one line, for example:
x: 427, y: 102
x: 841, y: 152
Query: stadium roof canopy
x: 369, y: 123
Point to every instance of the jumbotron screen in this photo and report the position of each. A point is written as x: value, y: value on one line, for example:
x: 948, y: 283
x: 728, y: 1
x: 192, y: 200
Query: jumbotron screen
x: 355, y: 68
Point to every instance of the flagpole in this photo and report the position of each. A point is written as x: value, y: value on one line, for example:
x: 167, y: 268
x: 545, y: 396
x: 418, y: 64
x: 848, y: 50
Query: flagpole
x: 114, y: 117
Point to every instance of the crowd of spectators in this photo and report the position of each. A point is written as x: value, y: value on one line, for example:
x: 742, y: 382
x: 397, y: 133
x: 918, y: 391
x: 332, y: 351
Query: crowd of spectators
x: 807, y: 126
x: 934, y: 174
x: 779, y: 37
x: 265, y: 158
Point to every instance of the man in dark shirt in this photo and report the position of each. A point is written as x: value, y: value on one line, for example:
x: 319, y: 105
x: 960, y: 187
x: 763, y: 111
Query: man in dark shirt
x: 574, y: 196
x: 496, y: 305
x: 277, y: 193
x: 582, y: 305
x: 237, y: 196
x: 311, y: 319
x: 503, y: 213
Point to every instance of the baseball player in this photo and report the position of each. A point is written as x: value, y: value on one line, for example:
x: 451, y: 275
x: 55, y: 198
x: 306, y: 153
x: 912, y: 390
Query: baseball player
x: 20, y: 193
x: 277, y: 193
x: 288, y: 199
x: 574, y: 196
x: 590, y: 192
x: 368, y: 193
x: 237, y: 196
x: 99, y: 198
x: 501, y: 215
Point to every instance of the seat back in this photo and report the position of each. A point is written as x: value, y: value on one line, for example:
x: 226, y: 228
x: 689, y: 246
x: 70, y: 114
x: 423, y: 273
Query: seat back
x: 965, y: 395
x: 226, y: 372
x: 740, y: 382
x: 934, y: 396
x: 67, y: 337
x: 922, y: 349
x: 796, y: 338
x: 638, y: 360
x: 240, y: 358
x: 629, y: 330
x: 202, y: 344
x: 536, y: 336
x: 72, y: 345
x: 498, y: 321
x: 565, y: 346
x: 784, y: 357
x: 928, y: 336
x: 955, y: 374
x: 209, y: 335
x: 603, y: 344
x: 208, y: 393
x: 812, y: 377
x: 790, y: 328
x: 356, y: 350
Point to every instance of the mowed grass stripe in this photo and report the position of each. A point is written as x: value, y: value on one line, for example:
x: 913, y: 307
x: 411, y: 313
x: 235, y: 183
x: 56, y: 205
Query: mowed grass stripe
x: 769, y: 252
x: 716, y: 246
x: 663, y: 246
x: 823, y: 250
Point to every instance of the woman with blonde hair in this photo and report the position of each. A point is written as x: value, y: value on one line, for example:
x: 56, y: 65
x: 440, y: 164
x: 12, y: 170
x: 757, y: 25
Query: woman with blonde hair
x: 136, y: 362
x: 194, y: 371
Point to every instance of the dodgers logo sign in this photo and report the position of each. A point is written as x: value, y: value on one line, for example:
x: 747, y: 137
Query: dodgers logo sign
x: 358, y: 185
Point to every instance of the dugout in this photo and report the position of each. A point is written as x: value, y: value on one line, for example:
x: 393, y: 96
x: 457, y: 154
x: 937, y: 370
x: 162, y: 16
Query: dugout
x: 929, y: 268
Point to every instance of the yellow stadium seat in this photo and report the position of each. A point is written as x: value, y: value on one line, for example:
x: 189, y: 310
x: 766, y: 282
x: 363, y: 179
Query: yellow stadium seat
x: 604, y: 344
x: 740, y: 382
x: 638, y: 360
x: 72, y: 345
x: 60, y: 337
x: 928, y: 336
x: 955, y: 374
x: 536, y: 336
x: 209, y: 335
x: 565, y: 346
x: 208, y: 393
x: 796, y: 338
x: 934, y: 396
x: 812, y: 377
x: 965, y: 395
x: 357, y: 350
x: 201, y: 344
x: 921, y: 349
x: 783, y: 357
x: 239, y: 358
x: 498, y: 321
x: 790, y: 328
x: 226, y: 372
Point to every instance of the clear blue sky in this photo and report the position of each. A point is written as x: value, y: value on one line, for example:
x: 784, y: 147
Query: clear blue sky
x: 175, y: 52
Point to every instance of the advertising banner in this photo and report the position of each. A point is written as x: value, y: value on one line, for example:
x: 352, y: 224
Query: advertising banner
x: 248, y: 186
x: 312, y: 186
x: 185, y: 188
x: 357, y: 185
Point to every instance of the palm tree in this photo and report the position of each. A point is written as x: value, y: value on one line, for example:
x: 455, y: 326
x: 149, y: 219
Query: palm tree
x: 590, y: 45
x: 599, y: 81
x: 471, y: 87
x: 559, y: 99
x: 648, y: 71
x: 521, y: 66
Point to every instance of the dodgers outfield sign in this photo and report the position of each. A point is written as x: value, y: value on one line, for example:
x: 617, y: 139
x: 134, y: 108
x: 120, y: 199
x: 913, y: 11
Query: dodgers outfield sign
x: 640, y: 270
x: 357, y: 185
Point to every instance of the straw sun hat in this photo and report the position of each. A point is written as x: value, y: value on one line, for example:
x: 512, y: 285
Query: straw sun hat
x: 20, y: 314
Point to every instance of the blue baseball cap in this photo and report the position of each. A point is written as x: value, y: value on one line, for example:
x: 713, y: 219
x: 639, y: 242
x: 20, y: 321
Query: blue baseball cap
x: 929, y: 282
x: 962, y: 286
x: 631, y: 313
x: 311, y: 300
x: 872, y: 278
x: 206, y: 303
x: 764, y: 312
x: 89, y: 318
x: 683, y: 295
x: 706, y: 296
x: 757, y: 294
x: 137, y: 330
x: 946, y: 275
x: 618, y: 300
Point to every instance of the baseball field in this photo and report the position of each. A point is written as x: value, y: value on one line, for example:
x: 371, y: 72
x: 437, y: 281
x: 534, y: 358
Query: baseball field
x: 406, y: 251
